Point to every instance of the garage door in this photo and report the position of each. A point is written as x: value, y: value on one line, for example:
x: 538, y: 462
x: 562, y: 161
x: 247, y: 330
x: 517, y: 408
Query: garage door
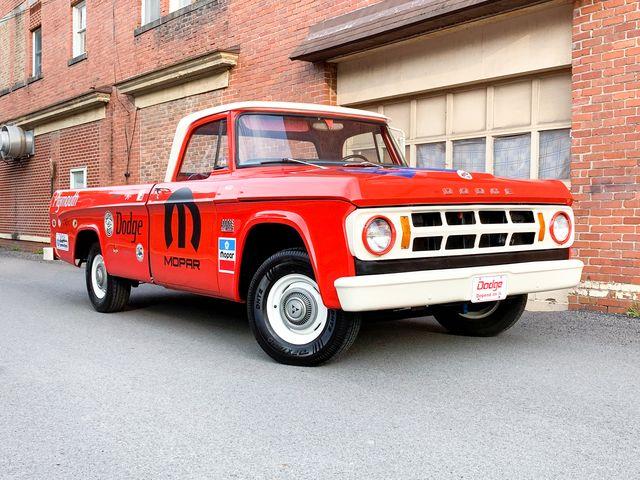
x: 518, y: 128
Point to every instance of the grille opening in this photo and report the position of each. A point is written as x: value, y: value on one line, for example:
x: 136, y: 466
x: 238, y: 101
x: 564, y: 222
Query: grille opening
x: 425, y: 244
x: 522, y: 216
x: 460, y: 218
x: 426, y: 219
x: 489, y: 240
x: 459, y: 242
x: 493, y: 216
x: 522, y: 238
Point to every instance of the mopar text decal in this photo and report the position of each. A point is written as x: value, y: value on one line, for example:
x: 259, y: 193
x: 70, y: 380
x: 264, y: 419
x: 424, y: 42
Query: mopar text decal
x: 180, y: 262
x: 62, y: 242
x: 227, y: 255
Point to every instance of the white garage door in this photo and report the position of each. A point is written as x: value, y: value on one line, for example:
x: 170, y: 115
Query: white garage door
x: 519, y: 128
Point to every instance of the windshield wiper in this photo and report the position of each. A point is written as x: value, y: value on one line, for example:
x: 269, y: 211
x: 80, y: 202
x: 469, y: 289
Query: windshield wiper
x: 293, y: 160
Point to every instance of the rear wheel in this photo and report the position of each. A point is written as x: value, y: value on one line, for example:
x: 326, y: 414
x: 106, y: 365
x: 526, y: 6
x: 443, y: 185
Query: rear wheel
x: 106, y: 292
x: 480, y: 319
x: 287, y: 315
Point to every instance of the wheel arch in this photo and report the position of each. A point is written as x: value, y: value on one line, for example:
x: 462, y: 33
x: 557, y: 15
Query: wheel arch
x: 268, y: 234
x: 84, y: 239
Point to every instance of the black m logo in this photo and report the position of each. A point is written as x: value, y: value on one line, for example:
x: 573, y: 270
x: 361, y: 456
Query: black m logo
x: 180, y: 200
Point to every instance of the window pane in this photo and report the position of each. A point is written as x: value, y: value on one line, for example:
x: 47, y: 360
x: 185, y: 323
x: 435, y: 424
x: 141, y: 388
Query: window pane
x: 555, y: 154
x: 177, y: 4
x: 151, y: 10
x: 207, y: 151
x: 37, y: 52
x: 469, y: 154
x: 78, y: 179
x: 271, y: 138
x: 512, y: 156
x: 430, y: 155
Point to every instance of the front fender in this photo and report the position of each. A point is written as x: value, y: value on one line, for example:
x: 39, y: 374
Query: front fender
x: 321, y: 225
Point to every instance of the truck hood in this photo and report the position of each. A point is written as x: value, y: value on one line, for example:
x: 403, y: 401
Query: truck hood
x: 374, y: 186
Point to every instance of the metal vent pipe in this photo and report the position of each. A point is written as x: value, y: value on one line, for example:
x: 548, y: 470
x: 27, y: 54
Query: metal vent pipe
x: 15, y: 143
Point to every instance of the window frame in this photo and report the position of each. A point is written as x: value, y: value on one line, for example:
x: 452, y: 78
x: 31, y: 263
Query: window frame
x: 387, y: 138
x: 34, y: 53
x: 82, y: 170
x: 187, y: 139
x: 79, y: 37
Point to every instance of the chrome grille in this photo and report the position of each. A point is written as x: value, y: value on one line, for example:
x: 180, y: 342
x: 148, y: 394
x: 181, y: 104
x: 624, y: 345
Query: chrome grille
x: 468, y: 229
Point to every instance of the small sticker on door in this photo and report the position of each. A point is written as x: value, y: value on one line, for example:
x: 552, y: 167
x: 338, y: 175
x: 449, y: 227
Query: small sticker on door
x: 227, y: 255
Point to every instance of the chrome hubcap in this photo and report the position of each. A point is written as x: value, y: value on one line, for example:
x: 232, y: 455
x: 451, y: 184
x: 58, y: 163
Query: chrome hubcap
x: 295, y: 310
x: 99, y: 276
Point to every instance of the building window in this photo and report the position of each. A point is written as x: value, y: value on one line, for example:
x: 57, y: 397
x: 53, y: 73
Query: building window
x: 555, y: 154
x: 512, y: 156
x: 79, y: 29
x: 518, y: 128
x: 469, y: 154
x: 178, y: 4
x: 150, y: 11
x: 431, y: 155
x: 78, y: 178
x: 36, y: 52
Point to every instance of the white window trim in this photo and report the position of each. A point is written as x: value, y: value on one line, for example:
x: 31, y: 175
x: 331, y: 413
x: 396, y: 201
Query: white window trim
x: 78, y: 30
x: 82, y: 170
x: 33, y: 51
x: 178, y: 4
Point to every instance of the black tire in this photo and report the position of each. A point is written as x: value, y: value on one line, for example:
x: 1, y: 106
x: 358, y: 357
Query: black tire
x: 507, y: 313
x: 117, y: 291
x: 335, y: 337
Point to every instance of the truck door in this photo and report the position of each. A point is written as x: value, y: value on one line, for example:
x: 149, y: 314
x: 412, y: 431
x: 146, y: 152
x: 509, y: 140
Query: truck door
x: 183, y: 250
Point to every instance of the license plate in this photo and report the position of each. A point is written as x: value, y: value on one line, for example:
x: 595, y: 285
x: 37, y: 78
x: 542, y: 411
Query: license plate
x: 488, y: 288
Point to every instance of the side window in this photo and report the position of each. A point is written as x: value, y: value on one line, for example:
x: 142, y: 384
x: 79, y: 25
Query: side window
x: 207, y: 151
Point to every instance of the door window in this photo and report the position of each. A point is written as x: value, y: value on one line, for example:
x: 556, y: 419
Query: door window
x: 207, y: 151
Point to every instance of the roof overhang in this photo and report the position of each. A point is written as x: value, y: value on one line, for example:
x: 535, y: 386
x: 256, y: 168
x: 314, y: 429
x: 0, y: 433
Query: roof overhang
x: 394, y: 20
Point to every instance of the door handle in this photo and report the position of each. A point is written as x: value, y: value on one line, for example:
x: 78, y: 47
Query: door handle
x: 160, y: 190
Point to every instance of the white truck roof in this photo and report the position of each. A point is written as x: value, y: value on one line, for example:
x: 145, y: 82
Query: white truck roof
x: 183, y: 125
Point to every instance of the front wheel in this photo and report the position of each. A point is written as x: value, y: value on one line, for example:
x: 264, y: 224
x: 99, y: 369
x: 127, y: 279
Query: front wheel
x: 106, y: 292
x: 480, y: 319
x: 288, y: 318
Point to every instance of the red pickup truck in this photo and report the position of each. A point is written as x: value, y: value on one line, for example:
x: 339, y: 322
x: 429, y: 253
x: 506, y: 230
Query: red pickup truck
x: 310, y: 215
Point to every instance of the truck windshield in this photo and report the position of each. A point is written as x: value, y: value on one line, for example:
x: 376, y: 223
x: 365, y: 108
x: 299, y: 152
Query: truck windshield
x: 273, y: 138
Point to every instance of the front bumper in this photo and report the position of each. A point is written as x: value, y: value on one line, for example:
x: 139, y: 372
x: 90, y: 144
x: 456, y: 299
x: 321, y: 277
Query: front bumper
x: 433, y: 287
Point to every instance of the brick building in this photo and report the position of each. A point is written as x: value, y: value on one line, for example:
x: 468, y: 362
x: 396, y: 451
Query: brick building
x: 474, y: 84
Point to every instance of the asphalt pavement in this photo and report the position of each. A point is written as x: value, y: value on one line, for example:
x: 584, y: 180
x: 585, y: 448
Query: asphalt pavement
x: 176, y: 387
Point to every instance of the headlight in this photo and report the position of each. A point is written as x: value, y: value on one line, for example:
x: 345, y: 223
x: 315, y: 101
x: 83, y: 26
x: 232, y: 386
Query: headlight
x: 560, y: 228
x: 378, y: 235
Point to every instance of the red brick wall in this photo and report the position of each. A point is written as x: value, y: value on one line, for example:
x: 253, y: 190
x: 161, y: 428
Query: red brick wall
x: 157, y: 126
x: 605, y: 165
x: 26, y: 186
x: 26, y: 190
